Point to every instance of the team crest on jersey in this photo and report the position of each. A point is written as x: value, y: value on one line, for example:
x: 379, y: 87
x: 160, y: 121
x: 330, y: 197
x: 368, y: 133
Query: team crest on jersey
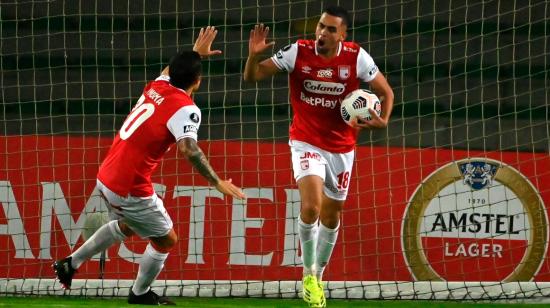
x: 194, y: 117
x: 343, y: 71
x: 304, y: 164
x: 477, y: 174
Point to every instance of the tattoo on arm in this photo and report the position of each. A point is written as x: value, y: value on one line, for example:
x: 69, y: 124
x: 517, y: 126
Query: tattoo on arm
x: 203, y: 166
x: 197, y: 158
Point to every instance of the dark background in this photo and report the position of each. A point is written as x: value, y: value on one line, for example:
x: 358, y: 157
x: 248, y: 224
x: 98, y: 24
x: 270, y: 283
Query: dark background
x: 466, y: 74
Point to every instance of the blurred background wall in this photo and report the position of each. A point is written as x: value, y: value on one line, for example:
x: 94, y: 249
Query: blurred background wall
x: 466, y: 74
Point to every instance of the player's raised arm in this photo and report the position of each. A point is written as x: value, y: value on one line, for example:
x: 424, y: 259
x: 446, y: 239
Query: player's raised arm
x: 255, y: 70
x: 192, y: 152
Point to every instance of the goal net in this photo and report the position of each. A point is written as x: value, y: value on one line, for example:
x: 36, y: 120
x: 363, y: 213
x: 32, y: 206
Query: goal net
x: 449, y: 202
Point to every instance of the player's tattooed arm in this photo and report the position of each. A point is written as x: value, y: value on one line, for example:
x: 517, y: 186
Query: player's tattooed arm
x: 191, y: 150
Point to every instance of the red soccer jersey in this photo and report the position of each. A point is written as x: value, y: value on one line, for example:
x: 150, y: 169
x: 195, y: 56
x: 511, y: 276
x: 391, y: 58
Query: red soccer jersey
x: 317, y: 87
x: 163, y: 115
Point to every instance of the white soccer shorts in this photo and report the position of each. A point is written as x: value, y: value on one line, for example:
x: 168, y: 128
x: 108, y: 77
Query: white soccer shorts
x: 333, y: 168
x: 146, y: 216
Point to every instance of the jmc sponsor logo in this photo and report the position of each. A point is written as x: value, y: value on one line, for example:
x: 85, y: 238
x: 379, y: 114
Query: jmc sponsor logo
x: 475, y: 219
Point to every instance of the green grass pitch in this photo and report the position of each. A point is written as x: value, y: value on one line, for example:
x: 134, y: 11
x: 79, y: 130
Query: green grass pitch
x: 71, y: 301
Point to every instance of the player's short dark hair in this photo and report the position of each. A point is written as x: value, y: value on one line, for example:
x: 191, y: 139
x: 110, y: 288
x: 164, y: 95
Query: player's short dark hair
x: 185, y: 69
x: 341, y: 12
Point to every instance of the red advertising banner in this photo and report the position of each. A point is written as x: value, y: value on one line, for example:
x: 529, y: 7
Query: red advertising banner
x: 412, y: 214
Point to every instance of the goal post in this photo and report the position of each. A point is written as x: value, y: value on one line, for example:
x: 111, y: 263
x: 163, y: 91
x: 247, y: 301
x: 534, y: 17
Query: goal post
x: 449, y: 202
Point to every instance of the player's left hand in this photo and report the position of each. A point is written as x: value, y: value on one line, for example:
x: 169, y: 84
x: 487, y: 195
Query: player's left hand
x: 204, y: 42
x: 227, y: 188
x: 375, y: 122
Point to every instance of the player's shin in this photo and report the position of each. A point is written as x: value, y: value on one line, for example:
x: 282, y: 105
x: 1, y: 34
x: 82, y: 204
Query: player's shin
x: 325, y: 246
x: 308, y: 241
x: 106, y: 236
x: 150, y: 265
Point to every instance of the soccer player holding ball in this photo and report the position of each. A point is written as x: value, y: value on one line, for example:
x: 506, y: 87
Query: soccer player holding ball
x: 164, y: 115
x: 321, y: 73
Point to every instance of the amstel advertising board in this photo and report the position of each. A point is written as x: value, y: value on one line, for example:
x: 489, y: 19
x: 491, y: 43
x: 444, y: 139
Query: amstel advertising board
x: 412, y: 214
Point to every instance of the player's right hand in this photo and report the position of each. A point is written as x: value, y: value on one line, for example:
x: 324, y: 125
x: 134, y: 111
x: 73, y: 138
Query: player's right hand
x: 376, y: 122
x: 256, y: 43
x: 204, y: 42
x: 226, y: 187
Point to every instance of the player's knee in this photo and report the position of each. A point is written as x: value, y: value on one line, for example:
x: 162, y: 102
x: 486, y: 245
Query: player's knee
x: 125, y: 229
x: 332, y: 208
x: 173, y: 239
x: 309, y: 214
x: 311, y: 204
x: 330, y: 222
x: 165, y: 243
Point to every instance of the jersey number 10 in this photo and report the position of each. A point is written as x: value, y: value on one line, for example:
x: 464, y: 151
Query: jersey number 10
x: 139, y: 114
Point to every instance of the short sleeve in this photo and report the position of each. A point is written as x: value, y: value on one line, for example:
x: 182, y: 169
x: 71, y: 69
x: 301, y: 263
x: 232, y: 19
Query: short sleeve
x: 185, y: 122
x: 366, y: 68
x: 285, y: 58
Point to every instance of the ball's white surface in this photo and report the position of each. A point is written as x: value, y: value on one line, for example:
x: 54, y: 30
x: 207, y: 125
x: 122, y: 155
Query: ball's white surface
x: 93, y: 222
x: 357, y: 104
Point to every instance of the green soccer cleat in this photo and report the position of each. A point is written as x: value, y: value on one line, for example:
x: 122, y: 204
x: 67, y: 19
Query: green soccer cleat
x: 313, y: 292
x: 322, y: 289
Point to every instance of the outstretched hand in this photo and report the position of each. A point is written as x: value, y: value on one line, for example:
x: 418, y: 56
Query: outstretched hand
x: 256, y: 43
x: 204, y: 42
x: 226, y: 187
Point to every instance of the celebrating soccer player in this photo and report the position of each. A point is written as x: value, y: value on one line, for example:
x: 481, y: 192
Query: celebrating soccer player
x: 165, y: 114
x: 322, y: 72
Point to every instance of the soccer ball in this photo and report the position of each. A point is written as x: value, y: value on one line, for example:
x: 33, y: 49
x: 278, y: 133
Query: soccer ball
x: 357, y: 104
x: 93, y: 222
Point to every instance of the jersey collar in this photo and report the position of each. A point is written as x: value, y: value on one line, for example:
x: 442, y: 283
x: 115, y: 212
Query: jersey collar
x: 167, y: 78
